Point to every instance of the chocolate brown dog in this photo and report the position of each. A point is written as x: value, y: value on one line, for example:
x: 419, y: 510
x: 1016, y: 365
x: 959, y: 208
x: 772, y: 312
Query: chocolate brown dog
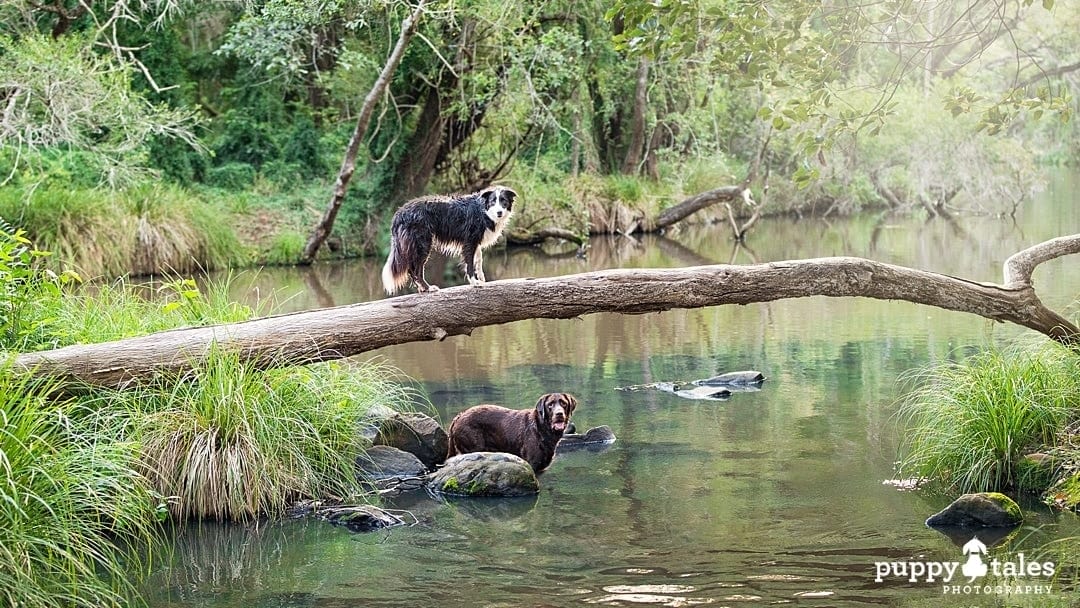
x: 531, y: 434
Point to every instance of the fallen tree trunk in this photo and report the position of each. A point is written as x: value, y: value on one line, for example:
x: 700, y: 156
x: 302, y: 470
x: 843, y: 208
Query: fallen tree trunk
x: 333, y: 333
x: 694, y: 204
x: 526, y: 237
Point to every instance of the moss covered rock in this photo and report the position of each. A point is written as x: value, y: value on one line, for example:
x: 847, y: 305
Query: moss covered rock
x: 982, y: 510
x: 485, y: 474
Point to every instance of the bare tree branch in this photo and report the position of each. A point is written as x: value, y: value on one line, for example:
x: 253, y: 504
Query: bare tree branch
x: 348, y: 163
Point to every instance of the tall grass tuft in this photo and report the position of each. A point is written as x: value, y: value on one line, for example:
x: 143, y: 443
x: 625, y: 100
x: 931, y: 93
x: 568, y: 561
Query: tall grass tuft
x: 148, y: 229
x: 70, y: 498
x: 233, y: 442
x: 123, y: 309
x: 968, y: 424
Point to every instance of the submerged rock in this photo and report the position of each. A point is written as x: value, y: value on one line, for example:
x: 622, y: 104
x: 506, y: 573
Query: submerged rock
x: 593, y: 439
x: 693, y: 391
x: 361, y: 518
x: 717, y: 388
x: 749, y: 377
x: 417, y: 434
x: 387, y: 462
x: 985, y: 510
x: 485, y: 474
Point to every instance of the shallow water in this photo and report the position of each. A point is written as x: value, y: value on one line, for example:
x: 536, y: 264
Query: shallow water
x: 775, y: 496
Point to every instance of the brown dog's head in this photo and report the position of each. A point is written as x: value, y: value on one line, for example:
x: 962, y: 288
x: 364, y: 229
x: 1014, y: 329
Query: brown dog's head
x: 553, y: 410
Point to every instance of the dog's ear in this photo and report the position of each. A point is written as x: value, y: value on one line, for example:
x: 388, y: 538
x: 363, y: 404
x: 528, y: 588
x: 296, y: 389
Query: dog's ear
x: 571, y: 403
x: 510, y: 197
x: 490, y: 196
x: 541, y: 408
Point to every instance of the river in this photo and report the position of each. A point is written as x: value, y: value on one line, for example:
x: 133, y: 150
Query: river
x: 770, y: 497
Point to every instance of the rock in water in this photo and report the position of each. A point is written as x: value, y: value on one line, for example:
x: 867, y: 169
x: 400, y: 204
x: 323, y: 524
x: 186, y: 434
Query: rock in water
x: 733, y: 379
x: 363, y: 518
x: 386, y: 462
x: 417, y: 434
x: 596, y: 437
x: 982, y: 510
x: 485, y: 474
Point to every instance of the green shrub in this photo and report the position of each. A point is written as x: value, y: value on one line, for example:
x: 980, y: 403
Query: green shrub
x: 177, y: 161
x: 29, y: 295
x: 246, y: 141
x: 70, y: 500
x: 969, y: 424
x: 230, y: 441
x: 285, y: 248
x: 302, y: 147
x: 231, y: 176
x: 282, y: 173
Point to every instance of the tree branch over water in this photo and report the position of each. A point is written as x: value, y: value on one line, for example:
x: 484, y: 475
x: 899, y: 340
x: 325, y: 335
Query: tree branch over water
x: 334, y: 333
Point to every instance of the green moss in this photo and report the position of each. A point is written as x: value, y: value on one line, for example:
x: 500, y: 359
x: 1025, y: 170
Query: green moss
x: 1006, y: 503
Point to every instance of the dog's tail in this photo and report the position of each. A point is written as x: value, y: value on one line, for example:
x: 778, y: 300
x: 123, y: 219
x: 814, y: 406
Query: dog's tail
x: 394, y: 273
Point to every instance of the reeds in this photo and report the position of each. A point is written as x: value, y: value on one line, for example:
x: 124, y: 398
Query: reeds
x: 149, y: 229
x: 230, y: 441
x: 969, y: 423
x: 67, y: 496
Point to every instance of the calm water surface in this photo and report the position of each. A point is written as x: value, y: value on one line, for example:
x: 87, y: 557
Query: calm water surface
x: 773, y: 497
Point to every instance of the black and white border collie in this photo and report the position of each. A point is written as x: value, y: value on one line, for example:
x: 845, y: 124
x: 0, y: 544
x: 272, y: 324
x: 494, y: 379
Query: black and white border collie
x: 463, y: 224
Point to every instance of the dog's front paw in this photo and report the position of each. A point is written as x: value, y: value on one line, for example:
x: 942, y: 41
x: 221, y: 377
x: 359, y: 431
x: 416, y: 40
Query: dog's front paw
x: 476, y: 281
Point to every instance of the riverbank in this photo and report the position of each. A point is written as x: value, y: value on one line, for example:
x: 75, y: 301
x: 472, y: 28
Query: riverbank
x: 88, y: 477
x: 176, y: 229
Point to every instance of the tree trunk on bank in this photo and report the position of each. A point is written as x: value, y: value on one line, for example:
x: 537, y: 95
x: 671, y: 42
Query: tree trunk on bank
x: 637, y: 120
x: 335, y: 333
x: 348, y: 164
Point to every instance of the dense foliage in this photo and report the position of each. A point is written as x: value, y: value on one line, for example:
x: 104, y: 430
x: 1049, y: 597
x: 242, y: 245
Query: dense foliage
x: 931, y: 106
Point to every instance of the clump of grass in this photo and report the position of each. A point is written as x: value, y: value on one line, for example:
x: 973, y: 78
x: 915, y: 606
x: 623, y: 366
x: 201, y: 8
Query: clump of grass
x: 700, y: 174
x: 232, y: 442
x: 123, y: 309
x: 968, y: 424
x: 142, y: 230
x: 628, y: 189
x: 285, y: 248
x: 176, y: 232
x: 67, y: 494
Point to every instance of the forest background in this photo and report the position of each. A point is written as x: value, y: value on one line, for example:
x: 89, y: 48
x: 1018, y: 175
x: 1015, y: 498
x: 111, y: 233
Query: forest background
x: 164, y: 135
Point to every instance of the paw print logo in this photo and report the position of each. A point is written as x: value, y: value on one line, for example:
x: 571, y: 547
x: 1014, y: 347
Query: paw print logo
x: 974, y: 567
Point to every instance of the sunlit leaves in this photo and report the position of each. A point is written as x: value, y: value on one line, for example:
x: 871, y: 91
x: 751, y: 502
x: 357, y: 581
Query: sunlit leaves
x: 62, y: 92
x: 285, y: 36
x: 808, y: 58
